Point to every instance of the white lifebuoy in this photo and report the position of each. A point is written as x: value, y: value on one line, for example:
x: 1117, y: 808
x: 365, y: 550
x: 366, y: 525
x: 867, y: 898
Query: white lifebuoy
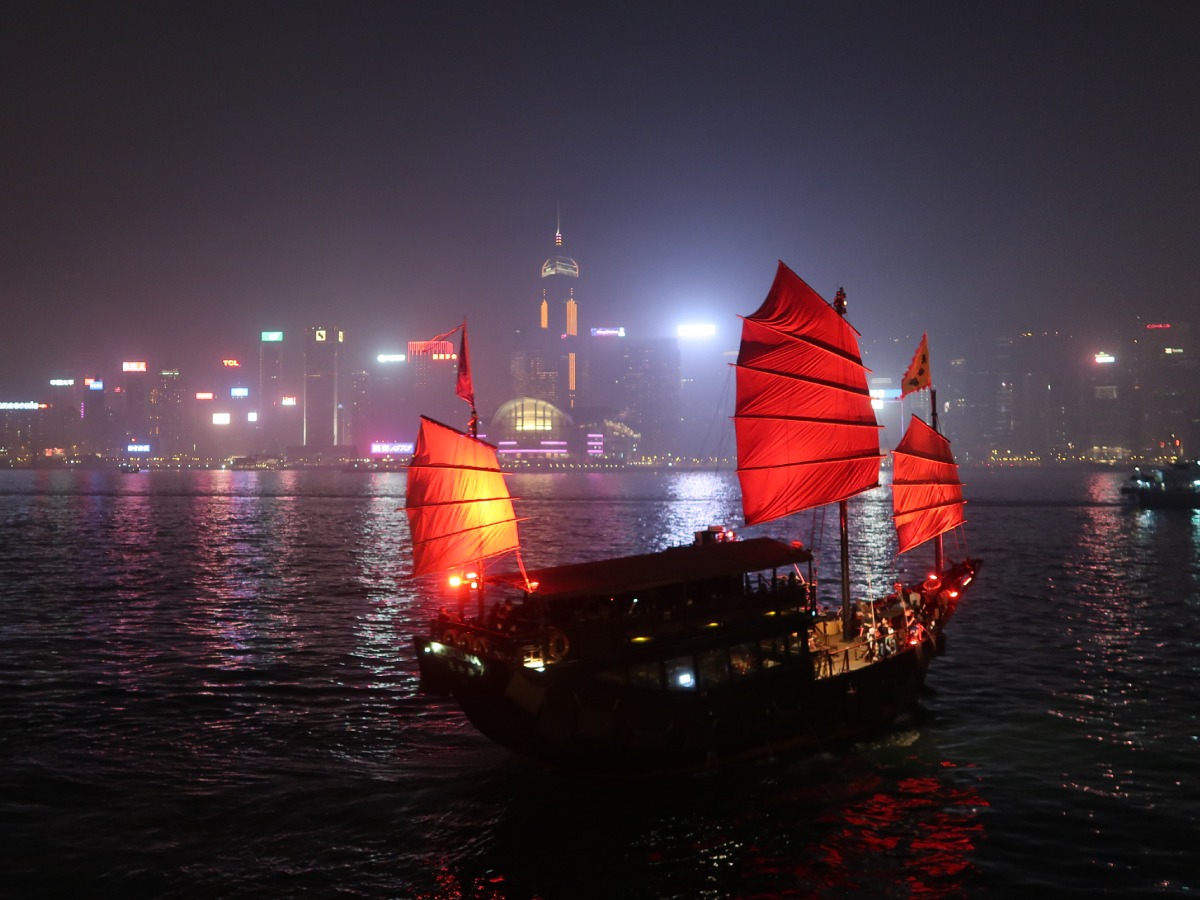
x: 557, y: 645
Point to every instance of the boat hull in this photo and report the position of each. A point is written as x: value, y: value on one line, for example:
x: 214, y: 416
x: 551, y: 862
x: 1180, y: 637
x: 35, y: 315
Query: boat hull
x: 569, y: 717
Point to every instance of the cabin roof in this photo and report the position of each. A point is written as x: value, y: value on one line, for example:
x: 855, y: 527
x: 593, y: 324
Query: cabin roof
x: 672, y: 566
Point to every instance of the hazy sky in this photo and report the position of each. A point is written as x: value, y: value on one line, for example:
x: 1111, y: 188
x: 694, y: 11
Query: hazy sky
x: 180, y: 176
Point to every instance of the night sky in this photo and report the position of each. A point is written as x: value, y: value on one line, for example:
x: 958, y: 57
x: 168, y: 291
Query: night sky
x: 177, y: 177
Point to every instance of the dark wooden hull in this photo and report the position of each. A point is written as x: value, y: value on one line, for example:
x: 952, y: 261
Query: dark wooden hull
x: 1158, y: 499
x: 569, y: 717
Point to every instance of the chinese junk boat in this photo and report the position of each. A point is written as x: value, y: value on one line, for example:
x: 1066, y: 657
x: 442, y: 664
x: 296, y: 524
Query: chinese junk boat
x: 713, y: 653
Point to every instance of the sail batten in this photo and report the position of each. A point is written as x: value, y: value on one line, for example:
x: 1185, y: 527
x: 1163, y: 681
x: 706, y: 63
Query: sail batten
x: 459, y: 509
x: 806, y: 430
x: 927, y: 494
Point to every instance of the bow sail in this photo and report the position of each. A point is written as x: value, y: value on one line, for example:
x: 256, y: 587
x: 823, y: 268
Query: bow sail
x: 927, y: 494
x: 459, y: 508
x: 806, y: 431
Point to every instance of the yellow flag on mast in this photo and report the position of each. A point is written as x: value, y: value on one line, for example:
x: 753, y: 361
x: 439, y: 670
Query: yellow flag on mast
x: 917, y: 377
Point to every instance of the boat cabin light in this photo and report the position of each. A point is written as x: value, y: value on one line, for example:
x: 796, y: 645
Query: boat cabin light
x: 685, y: 679
x: 640, y: 639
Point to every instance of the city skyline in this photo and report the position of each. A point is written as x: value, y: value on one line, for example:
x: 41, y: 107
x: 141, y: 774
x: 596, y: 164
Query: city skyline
x: 189, y: 173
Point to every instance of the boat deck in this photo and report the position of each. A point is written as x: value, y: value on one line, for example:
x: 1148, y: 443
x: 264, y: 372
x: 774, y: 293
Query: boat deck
x: 834, y: 656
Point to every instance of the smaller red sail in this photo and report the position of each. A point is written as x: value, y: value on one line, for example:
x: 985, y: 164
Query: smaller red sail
x: 927, y: 494
x: 459, y: 509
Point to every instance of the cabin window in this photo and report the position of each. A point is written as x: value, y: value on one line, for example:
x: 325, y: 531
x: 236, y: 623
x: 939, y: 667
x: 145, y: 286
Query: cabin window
x: 646, y: 675
x: 796, y: 642
x: 713, y: 667
x: 743, y: 660
x: 681, y: 674
x: 773, y: 650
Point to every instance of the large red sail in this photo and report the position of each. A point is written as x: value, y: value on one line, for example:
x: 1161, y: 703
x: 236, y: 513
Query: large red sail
x: 926, y: 492
x: 459, y: 509
x: 806, y: 430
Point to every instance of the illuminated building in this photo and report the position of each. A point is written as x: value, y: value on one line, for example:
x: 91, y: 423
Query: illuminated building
x: 268, y: 403
x: 135, y: 401
x: 1166, y: 379
x: 651, y: 385
x: 432, y: 374
x: 166, y: 425
x: 383, y: 414
x: 548, y: 367
x: 531, y: 429
x: 322, y: 430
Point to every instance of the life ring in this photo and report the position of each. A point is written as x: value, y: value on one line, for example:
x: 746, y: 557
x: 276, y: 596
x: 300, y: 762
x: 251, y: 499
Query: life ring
x: 557, y: 645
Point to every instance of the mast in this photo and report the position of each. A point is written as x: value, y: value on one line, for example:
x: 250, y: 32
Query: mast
x: 839, y: 306
x: 939, y: 559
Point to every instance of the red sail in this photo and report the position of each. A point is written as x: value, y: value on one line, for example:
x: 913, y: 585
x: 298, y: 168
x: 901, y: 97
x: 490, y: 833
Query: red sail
x: 459, y: 509
x: 806, y: 430
x: 926, y: 492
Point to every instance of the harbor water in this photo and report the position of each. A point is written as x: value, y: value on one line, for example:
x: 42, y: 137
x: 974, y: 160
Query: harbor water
x: 208, y: 689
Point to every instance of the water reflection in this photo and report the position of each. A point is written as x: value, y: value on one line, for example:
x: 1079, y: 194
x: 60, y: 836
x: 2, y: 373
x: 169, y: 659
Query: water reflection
x: 849, y: 827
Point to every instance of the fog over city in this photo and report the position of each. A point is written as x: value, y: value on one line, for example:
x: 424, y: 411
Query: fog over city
x: 179, y: 177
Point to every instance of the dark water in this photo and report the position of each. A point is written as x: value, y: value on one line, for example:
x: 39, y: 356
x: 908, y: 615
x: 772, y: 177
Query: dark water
x: 207, y: 690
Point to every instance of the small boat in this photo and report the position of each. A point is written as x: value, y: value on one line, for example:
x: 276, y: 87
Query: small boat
x: 129, y: 468
x: 1173, y: 486
x: 714, y: 653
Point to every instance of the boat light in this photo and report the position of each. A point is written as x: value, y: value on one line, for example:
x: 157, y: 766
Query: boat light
x: 640, y: 639
x: 533, y: 586
x: 713, y: 625
x: 455, y: 581
x: 953, y: 594
x: 685, y: 679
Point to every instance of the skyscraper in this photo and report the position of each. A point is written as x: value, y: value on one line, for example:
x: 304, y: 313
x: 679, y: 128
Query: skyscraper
x: 548, y: 368
x: 322, y: 397
x: 270, y: 393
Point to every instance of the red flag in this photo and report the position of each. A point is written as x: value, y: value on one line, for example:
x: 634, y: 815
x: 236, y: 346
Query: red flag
x: 917, y: 377
x: 464, y: 387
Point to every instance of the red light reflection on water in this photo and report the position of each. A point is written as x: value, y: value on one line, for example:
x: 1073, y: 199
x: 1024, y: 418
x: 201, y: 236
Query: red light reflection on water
x: 452, y: 887
x: 920, y: 832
